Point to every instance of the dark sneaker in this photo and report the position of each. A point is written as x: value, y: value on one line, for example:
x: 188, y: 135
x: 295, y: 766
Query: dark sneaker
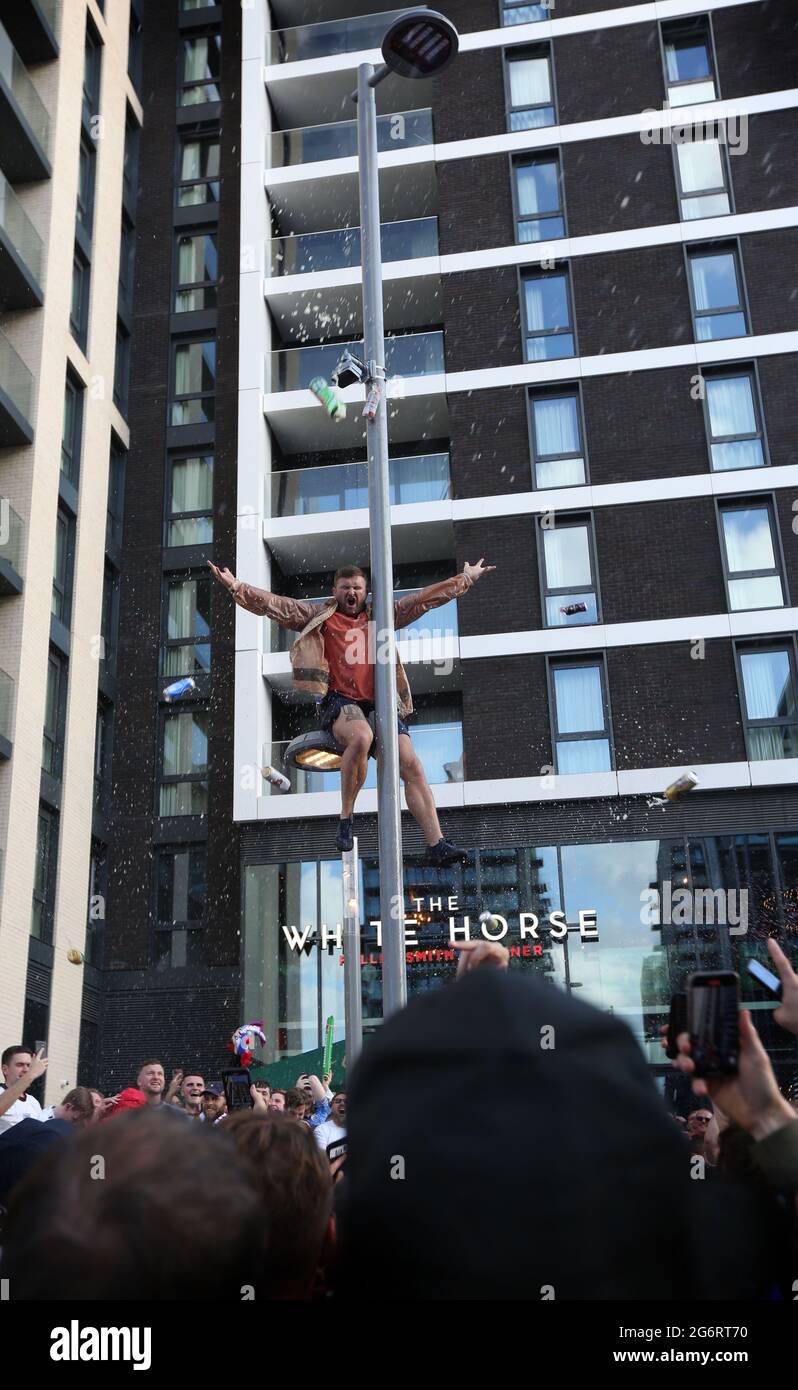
x: 345, y: 837
x: 445, y: 853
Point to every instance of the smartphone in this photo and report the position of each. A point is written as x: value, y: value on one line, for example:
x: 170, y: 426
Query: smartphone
x: 713, y: 1003
x: 236, y: 1089
x: 765, y: 977
x: 336, y: 1149
x: 677, y: 1022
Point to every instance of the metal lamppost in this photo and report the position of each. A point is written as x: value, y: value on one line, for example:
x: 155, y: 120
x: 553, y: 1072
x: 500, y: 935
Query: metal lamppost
x: 420, y: 43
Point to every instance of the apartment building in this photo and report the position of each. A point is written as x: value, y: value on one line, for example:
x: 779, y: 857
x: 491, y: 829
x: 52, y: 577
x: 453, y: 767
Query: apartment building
x: 591, y: 333
x: 66, y: 98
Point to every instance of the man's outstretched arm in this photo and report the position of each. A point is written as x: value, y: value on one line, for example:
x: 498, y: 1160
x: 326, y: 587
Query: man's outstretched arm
x: 412, y: 606
x: 288, y: 612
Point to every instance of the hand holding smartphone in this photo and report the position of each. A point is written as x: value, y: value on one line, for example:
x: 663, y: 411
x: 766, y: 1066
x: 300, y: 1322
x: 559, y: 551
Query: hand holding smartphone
x: 713, y: 1003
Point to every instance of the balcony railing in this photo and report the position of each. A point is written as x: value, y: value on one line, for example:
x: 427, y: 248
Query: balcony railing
x: 409, y: 354
x: 338, y: 139
x: 15, y: 379
x: 16, y: 77
x: 19, y: 229
x: 333, y: 36
x: 439, y: 746
x: 438, y: 623
x: 344, y: 486
x: 11, y: 533
x: 6, y: 706
x: 340, y: 248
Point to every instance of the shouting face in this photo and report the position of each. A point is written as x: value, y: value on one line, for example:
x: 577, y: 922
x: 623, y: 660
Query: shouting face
x: 350, y: 595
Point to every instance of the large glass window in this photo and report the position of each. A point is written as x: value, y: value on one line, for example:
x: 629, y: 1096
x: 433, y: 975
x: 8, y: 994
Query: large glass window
x: 734, y: 419
x: 44, y: 876
x: 688, y: 62
x: 557, y: 449
x: 54, y: 715
x: 184, y: 786
x: 529, y: 81
x: 116, y: 494
x: 521, y: 12
x: 187, y: 647
x: 180, y: 890
x: 538, y: 198
x: 190, y: 511
x: 71, y: 430
x: 703, y: 179
x: 122, y: 369
x: 86, y: 175
x: 61, y: 604
x: 91, y: 72
x: 197, y: 272
x: 199, y: 171
x: 201, y: 61
x: 110, y: 620
x: 127, y: 256
x: 194, y: 383
x: 753, y: 575
x: 769, y: 701
x: 548, y: 325
x: 102, y: 757
x: 718, y: 308
x: 569, y: 573
x: 130, y: 172
x: 581, y: 741
x: 79, y: 305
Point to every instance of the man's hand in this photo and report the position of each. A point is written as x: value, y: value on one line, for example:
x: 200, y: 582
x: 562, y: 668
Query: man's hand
x: 473, y: 954
x: 751, y: 1097
x: 174, y: 1085
x: 225, y: 577
x: 476, y: 571
x: 787, y: 1012
x: 260, y: 1105
x: 37, y: 1067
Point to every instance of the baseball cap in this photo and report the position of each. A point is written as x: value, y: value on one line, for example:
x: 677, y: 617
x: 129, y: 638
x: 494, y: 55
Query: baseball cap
x: 214, y: 1088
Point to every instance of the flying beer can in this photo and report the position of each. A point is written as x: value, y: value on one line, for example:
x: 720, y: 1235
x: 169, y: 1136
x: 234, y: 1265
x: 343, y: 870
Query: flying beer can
x: 277, y: 779
x: 574, y: 608
x: 178, y: 688
x: 683, y: 784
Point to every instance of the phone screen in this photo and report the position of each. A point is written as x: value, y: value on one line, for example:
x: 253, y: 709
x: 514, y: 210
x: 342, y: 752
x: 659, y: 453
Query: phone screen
x: 236, y: 1089
x: 713, y: 999
x: 765, y: 977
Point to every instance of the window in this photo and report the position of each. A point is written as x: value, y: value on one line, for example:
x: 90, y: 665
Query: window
x: 197, y: 272
x: 538, y: 199
x: 733, y: 419
x: 194, y: 383
x: 547, y: 317
x: 190, y: 512
x: 184, y: 788
x: 688, y: 62
x: 127, y: 253
x: 569, y: 573
x: 581, y: 722
x: 102, y: 757
x: 110, y: 620
x: 530, y: 87
x: 520, y: 12
x: 86, y: 173
x: 121, y: 369
x: 199, y: 171
x: 71, y: 430
x: 753, y: 575
x: 769, y: 701
x: 44, y: 876
x: 98, y: 893
x: 187, y: 647
x: 61, y: 605
x: 130, y: 168
x: 54, y: 715
x: 91, y: 73
x: 79, y: 307
x: 557, y: 450
x: 135, y: 50
x: 200, y: 70
x: 703, y: 178
x: 116, y: 494
x: 718, y: 309
x: 180, y: 890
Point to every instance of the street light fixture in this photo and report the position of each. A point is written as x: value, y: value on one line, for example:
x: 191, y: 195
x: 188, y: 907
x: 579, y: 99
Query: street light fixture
x: 420, y: 43
x: 315, y: 752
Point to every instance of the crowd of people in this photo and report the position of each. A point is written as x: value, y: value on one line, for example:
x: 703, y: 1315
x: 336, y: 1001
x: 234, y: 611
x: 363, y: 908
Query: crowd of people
x: 505, y: 1141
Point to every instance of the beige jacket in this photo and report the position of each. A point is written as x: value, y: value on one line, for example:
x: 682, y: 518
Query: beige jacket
x: 310, y: 669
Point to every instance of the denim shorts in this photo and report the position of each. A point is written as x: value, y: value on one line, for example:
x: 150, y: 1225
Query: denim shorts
x: 330, y: 707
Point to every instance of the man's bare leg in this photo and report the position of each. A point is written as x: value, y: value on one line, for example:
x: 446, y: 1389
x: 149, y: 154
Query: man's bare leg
x: 419, y: 798
x: 352, y: 732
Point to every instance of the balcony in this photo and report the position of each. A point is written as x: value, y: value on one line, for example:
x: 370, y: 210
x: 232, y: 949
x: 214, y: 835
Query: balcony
x: 340, y: 248
x: 16, y: 397
x: 401, y: 130
x: 439, y: 746
x: 7, y: 692
x: 343, y: 487
x: 409, y: 355
x: 11, y: 533
x: 24, y: 120
x: 32, y: 26
x: 336, y: 36
x: 21, y: 254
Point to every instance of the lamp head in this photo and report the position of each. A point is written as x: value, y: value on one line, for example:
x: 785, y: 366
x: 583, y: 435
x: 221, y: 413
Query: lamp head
x: 420, y: 43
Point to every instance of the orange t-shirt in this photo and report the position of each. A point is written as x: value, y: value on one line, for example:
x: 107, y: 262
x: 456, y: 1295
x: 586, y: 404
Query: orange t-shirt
x: 346, y: 647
